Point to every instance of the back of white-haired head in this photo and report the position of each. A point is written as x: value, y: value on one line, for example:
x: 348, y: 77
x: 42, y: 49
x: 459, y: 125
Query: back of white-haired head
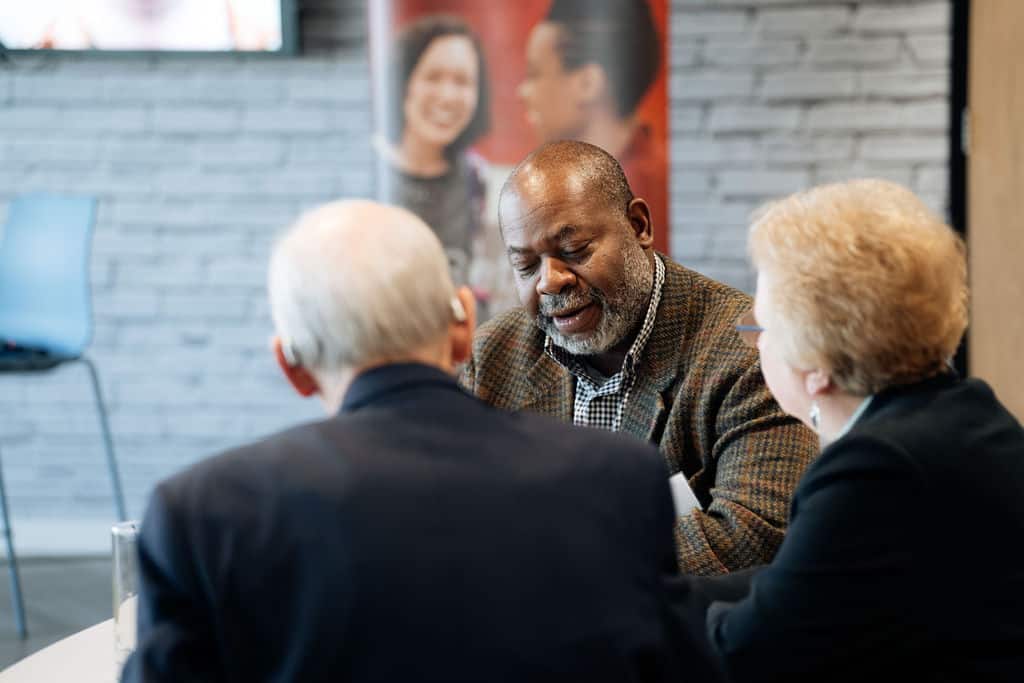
x: 356, y: 282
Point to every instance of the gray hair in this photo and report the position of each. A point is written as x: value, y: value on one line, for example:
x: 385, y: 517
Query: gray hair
x: 354, y: 282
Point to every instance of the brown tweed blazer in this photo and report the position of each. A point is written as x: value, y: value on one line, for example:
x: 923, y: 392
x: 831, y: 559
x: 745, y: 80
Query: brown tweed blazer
x: 699, y: 395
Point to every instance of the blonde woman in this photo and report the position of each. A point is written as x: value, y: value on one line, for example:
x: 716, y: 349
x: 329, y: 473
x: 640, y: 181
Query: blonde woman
x: 902, y: 557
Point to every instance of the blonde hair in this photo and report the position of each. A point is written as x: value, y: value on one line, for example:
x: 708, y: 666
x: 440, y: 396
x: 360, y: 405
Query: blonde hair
x: 868, y: 283
x: 356, y: 281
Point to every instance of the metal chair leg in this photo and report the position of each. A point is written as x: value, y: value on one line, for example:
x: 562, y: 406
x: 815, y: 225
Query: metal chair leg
x: 12, y: 565
x: 115, y: 477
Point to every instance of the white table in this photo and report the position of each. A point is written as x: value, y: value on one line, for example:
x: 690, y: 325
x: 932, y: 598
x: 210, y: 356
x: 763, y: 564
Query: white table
x: 85, y: 657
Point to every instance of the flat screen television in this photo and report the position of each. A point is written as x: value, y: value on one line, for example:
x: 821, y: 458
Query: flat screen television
x: 192, y: 26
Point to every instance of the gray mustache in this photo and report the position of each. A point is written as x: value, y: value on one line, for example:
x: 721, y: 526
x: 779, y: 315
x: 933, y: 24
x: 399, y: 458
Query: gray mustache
x: 552, y: 303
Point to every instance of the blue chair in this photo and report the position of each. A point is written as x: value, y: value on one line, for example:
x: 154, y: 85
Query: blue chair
x: 46, y: 314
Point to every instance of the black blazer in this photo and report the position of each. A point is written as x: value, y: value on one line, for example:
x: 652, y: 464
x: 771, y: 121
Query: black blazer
x: 419, y: 535
x: 903, y: 556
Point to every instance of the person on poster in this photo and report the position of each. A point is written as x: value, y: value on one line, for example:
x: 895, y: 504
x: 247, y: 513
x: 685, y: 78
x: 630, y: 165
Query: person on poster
x: 589, y: 64
x: 440, y: 106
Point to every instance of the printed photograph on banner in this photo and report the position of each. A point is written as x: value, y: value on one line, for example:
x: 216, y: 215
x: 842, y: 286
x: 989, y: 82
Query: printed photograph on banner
x: 463, y: 90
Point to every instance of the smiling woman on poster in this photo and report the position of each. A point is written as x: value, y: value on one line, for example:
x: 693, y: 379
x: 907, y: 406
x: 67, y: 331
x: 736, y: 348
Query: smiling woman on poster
x: 441, y: 106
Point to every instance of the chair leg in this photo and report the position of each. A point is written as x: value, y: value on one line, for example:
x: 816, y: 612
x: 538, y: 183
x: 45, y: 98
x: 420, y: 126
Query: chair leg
x: 12, y: 565
x: 115, y: 477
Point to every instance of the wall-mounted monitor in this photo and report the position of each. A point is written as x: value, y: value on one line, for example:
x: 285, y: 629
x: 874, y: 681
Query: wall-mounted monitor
x: 194, y: 26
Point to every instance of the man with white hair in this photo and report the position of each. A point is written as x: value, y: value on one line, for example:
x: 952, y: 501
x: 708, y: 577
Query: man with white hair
x: 416, y: 533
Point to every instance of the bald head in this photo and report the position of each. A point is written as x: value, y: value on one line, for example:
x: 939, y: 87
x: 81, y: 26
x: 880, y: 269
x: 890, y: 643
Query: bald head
x: 353, y: 282
x: 571, y: 166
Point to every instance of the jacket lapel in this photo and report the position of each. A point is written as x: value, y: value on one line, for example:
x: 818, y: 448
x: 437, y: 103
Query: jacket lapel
x: 650, y: 400
x: 551, y: 389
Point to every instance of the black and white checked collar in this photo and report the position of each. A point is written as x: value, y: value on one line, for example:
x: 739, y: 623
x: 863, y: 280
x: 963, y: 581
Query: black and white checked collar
x: 621, y: 382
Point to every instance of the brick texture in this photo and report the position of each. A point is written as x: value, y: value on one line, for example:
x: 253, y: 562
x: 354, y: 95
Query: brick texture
x: 845, y: 89
x: 198, y: 163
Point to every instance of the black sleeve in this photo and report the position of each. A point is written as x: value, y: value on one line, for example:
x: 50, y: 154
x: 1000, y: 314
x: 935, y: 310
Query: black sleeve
x: 175, y: 637
x: 844, y: 573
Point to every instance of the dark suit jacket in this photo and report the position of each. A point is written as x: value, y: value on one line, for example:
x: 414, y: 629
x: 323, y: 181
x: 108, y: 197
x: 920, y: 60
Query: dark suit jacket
x: 699, y: 395
x: 419, y: 535
x: 902, y: 560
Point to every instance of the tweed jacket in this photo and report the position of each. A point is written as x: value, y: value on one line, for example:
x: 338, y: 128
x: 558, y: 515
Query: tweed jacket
x: 699, y: 395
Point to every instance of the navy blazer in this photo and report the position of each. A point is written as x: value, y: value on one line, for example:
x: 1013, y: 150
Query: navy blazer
x: 419, y: 535
x: 902, y: 560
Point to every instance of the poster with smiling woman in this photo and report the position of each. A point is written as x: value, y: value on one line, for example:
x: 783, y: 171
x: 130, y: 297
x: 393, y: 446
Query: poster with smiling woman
x: 463, y: 90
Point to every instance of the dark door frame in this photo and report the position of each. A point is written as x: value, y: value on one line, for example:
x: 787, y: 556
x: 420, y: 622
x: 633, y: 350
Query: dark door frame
x: 958, y: 127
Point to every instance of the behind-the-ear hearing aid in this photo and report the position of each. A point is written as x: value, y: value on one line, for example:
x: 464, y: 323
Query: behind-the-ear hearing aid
x: 291, y: 356
x: 458, y: 310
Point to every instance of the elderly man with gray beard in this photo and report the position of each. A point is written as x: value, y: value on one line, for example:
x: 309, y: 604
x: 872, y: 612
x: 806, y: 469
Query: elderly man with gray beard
x: 613, y: 335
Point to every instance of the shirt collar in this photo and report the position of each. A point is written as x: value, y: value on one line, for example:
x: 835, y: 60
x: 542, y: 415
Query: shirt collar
x: 853, y: 418
x: 576, y: 364
x: 374, y: 384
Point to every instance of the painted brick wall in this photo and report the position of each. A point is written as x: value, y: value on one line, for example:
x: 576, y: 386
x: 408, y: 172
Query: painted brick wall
x: 772, y: 96
x: 199, y: 162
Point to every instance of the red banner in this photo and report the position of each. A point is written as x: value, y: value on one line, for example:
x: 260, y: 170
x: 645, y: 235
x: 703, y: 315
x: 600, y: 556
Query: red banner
x: 464, y: 90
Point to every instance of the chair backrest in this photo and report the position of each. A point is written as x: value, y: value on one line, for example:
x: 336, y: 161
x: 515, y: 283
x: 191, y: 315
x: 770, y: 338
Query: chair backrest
x: 44, y: 273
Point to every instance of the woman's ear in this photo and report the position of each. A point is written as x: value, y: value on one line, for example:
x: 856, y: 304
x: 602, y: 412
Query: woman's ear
x: 463, y: 325
x: 818, y: 383
x: 299, y: 377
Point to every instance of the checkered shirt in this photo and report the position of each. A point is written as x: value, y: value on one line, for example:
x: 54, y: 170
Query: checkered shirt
x: 600, y: 403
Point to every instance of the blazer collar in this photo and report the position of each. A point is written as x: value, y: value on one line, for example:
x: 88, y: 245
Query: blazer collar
x: 377, y: 383
x: 660, y: 361
x: 940, y: 380
x: 551, y: 387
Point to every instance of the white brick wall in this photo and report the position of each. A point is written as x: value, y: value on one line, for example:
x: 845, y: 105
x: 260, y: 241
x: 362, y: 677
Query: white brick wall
x: 199, y: 162
x: 798, y: 92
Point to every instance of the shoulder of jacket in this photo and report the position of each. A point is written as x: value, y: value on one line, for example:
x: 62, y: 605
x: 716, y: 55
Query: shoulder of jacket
x: 507, y: 327
x: 708, y: 306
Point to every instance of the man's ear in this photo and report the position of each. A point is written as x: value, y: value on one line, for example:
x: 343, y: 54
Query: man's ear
x: 639, y: 214
x: 460, y: 332
x: 817, y: 383
x: 301, y: 380
x: 590, y: 83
